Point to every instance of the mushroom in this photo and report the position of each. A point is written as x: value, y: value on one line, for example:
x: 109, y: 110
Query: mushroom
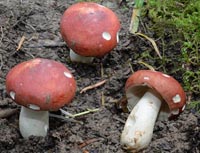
x: 39, y: 85
x: 150, y: 95
x: 90, y: 30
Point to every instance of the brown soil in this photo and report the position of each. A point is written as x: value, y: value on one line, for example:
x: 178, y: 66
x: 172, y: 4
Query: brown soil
x: 97, y: 132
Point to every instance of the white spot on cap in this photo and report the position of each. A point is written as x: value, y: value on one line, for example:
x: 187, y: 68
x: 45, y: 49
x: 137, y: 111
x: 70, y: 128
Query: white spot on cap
x: 175, y: 112
x: 12, y: 95
x: 183, y: 108
x: 67, y: 74
x: 117, y: 37
x: 106, y: 35
x: 176, y: 98
x: 146, y: 78
x: 165, y: 75
x: 34, y: 107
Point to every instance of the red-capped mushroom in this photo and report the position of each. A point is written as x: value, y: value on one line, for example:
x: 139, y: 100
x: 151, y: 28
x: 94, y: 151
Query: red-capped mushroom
x: 150, y: 95
x: 90, y: 30
x: 39, y: 85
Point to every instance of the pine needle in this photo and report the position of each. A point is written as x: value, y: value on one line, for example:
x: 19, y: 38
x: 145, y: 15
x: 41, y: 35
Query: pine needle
x: 147, y: 65
x: 152, y: 42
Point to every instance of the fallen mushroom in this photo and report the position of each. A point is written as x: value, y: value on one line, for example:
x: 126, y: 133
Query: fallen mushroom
x: 39, y: 85
x: 150, y: 95
x: 90, y: 30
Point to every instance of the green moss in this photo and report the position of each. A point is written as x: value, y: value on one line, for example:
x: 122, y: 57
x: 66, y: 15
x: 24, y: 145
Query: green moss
x: 177, y: 23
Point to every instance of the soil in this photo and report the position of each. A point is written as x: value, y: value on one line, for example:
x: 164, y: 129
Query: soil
x: 97, y: 132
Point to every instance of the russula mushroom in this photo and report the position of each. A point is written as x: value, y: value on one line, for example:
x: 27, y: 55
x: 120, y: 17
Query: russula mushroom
x: 150, y: 95
x: 90, y: 30
x: 39, y: 85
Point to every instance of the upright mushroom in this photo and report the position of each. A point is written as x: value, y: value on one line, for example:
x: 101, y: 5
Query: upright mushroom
x: 150, y: 95
x: 39, y: 85
x: 90, y: 30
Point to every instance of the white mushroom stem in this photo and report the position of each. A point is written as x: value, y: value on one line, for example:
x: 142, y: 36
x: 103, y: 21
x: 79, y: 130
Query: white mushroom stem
x: 138, y: 129
x: 33, y: 122
x: 78, y: 58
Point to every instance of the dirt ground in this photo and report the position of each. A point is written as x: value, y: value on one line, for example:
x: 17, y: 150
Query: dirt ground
x: 39, y: 21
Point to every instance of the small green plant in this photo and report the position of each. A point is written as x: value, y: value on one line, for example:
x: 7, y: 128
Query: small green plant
x: 194, y: 105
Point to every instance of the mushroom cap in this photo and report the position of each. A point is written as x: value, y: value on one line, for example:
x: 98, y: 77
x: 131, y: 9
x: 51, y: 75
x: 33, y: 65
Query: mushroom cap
x: 90, y: 29
x: 41, y: 84
x: 169, y: 89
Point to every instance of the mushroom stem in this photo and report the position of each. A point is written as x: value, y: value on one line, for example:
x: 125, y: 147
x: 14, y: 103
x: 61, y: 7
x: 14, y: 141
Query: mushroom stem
x: 138, y: 129
x: 33, y: 122
x: 78, y: 58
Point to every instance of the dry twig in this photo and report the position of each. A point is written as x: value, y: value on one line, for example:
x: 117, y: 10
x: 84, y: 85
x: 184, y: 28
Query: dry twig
x: 47, y: 43
x: 86, y: 112
x: 67, y: 114
x: 87, y: 142
x: 21, y: 42
x: 65, y: 118
x: 93, y: 86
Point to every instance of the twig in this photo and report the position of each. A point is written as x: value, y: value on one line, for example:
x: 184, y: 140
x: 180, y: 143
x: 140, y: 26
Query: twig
x: 7, y: 112
x: 49, y: 45
x: 152, y: 42
x: 21, y: 42
x: 67, y: 114
x: 86, y: 112
x: 87, y: 142
x: 65, y: 119
x: 93, y: 86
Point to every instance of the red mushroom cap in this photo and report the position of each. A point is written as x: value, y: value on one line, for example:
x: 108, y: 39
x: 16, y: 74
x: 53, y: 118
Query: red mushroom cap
x: 166, y: 86
x: 90, y: 29
x: 41, y: 84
